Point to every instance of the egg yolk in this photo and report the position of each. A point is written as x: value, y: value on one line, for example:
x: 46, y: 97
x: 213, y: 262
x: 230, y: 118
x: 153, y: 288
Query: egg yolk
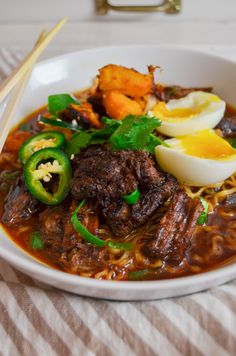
x: 199, y: 104
x: 206, y: 144
x: 162, y: 112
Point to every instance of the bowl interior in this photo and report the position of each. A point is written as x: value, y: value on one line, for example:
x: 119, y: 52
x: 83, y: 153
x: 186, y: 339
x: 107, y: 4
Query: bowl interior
x: 75, y: 71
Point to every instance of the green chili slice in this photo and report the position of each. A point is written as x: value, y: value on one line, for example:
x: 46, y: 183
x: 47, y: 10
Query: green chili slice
x: 133, y: 197
x: 59, y: 123
x: 94, y: 240
x: 40, y: 167
x: 42, y: 140
x: 203, y: 217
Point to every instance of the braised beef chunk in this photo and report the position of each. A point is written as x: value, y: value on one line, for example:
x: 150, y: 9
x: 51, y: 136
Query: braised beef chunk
x: 64, y: 242
x: 118, y: 216
x: 166, y: 93
x: 107, y: 176
x: 175, y: 229
x: 155, y: 196
x: 20, y: 205
x: 85, y: 257
x: 56, y: 228
x: 228, y: 126
x: 103, y: 174
x: 51, y: 226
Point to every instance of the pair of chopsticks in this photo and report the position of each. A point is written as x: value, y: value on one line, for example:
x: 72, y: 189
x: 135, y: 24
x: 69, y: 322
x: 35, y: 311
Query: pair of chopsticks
x: 17, y: 80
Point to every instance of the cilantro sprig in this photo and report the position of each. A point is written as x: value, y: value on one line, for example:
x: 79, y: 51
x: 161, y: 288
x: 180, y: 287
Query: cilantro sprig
x: 132, y: 133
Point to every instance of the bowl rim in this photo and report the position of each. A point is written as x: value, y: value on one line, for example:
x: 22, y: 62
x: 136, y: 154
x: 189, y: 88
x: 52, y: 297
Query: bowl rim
x: 35, y: 266
x: 167, y: 47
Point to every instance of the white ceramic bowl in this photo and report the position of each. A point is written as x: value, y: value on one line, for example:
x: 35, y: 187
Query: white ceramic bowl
x: 74, y: 71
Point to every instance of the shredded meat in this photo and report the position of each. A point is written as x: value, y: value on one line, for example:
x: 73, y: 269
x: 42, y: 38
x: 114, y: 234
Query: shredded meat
x: 56, y: 228
x: 175, y: 229
x: 52, y: 226
x: 85, y: 257
x: 166, y: 93
x: 64, y: 242
x: 20, y: 205
x: 101, y: 173
x: 106, y: 176
x: 228, y: 126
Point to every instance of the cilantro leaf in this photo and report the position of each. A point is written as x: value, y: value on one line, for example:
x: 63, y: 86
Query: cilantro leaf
x: 134, y: 132
x: 153, y: 142
x: 110, y: 127
x: 59, y: 102
x: 90, y: 137
x: 78, y: 141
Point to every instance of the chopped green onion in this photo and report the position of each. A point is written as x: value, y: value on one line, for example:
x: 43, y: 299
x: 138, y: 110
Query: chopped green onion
x: 25, y: 127
x: 133, y: 197
x: 89, y: 237
x: 10, y: 175
x: 59, y: 123
x: 36, y: 242
x: 139, y: 274
x: 203, y: 217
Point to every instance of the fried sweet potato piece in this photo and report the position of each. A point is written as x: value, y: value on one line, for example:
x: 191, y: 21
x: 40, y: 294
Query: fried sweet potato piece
x: 124, y: 80
x: 118, y: 105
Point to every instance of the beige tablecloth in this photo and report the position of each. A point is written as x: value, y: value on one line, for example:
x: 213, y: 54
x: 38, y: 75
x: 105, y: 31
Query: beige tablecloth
x: 38, y: 320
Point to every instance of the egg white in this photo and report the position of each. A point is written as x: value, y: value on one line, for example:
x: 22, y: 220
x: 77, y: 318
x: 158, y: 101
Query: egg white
x: 192, y: 170
x: 211, y: 108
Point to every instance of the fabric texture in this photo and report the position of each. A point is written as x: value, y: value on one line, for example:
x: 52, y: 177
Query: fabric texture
x: 38, y: 320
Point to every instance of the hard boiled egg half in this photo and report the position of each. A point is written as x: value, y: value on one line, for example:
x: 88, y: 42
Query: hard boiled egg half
x: 196, y: 111
x: 199, y: 159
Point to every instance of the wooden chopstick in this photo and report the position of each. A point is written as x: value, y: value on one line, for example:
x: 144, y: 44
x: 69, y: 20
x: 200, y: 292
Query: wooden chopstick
x: 29, y: 61
x: 18, y: 79
x: 14, y: 99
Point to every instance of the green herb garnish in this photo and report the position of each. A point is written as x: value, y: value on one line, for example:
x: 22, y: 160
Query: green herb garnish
x: 78, y: 141
x: 139, y: 274
x: 134, y: 132
x: 153, y: 142
x: 10, y: 175
x: 203, y: 217
x: 35, y: 241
